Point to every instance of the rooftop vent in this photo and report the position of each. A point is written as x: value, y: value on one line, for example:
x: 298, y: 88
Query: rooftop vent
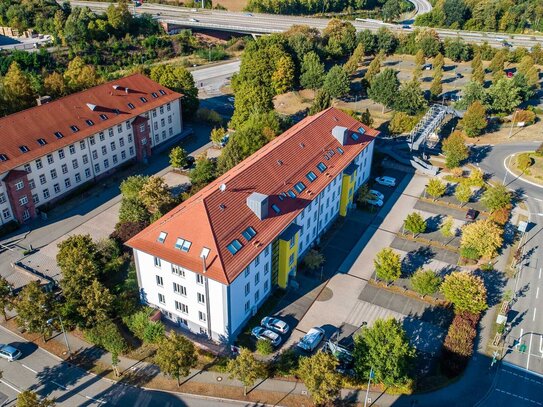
x: 42, y: 100
x: 91, y: 106
x: 258, y: 203
x: 116, y: 87
x: 222, y: 187
x: 222, y: 207
x: 279, y: 162
x: 340, y: 134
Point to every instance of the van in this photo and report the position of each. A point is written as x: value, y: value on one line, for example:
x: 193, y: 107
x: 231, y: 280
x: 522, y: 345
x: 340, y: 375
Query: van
x: 311, y: 339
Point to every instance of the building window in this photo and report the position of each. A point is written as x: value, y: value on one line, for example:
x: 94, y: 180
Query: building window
x: 2, y: 197
x: 178, y: 271
x: 121, y: 142
x: 35, y: 198
x: 201, y: 298
x: 170, y: 119
x: 311, y: 176
x: 202, y: 316
x: 95, y: 155
x: 170, y: 130
x: 234, y: 246
x: 104, y: 150
x: 39, y: 165
x: 77, y: 177
x: 142, y: 128
x: 247, y: 306
x: 61, y: 154
x: 163, y: 135
x: 247, y: 271
x: 106, y: 163
x: 72, y: 149
x: 257, y: 296
x: 257, y: 278
x: 199, y: 279
x: 96, y: 167
x: 28, y: 169
x: 64, y: 168
x: 6, y: 214
x: 131, y: 151
x: 179, y: 306
x: 67, y: 183
x: 155, y: 125
x: 130, y: 138
x: 103, y: 137
x: 257, y: 260
x: 161, y: 109
x: 123, y: 155
x: 128, y: 126
x: 266, y: 286
x: 45, y: 193
x: 87, y: 172
x: 115, y: 159
x: 119, y: 128
x: 26, y: 214
x: 159, y: 281
x: 112, y: 146
x: 53, y: 173
x: 75, y: 164
x: 82, y: 145
x: 92, y: 140
x: 179, y: 289
x: 291, y: 260
x: 268, y: 251
x: 247, y: 288
x: 168, y: 107
x: 23, y: 200
x: 19, y: 185
x: 161, y: 298
x: 143, y: 141
x: 85, y: 159
x: 162, y: 122
x: 292, y: 241
x: 56, y: 188
x: 157, y: 139
x: 157, y: 262
x: 249, y: 233
x: 266, y: 268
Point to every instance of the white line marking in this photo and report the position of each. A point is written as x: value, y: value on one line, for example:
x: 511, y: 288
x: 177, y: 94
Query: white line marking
x: 529, y: 353
x: 537, y: 293
x: 519, y: 396
x: 541, y: 344
x: 10, y: 386
x: 59, y: 385
x: 519, y: 337
x: 535, y: 309
x: 539, y: 273
x: 29, y: 368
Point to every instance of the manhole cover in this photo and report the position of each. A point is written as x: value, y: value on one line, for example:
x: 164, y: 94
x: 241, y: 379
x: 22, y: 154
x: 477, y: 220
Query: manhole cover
x: 325, y: 295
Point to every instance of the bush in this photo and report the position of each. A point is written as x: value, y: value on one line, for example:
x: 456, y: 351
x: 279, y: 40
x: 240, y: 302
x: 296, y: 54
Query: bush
x: 526, y: 116
x: 127, y: 230
x: 458, y: 345
x: 144, y: 329
x: 209, y: 116
x: 154, y: 332
x: 9, y: 227
x: 402, y: 123
x: 501, y: 216
x: 264, y: 347
x: 524, y: 161
x: 469, y: 253
x: 107, y: 336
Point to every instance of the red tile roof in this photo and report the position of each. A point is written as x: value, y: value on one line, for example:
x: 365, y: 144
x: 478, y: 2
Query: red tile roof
x: 213, y: 218
x: 41, y: 122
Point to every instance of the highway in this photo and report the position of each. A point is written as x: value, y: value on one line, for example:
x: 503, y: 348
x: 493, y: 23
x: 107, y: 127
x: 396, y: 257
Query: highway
x: 253, y: 23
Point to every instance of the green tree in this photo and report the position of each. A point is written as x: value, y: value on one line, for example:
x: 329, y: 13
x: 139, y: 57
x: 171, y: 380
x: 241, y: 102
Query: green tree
x: 425, y: 282
x: 318, y: 372
x: 436, y: 188
x: 314, y: 259
x: 133, y: 210
x: 29, y: 398
x: 446, y: 227
x: 474, y: 120
x: 391, y: 10
x: 429, y: 43
x: 246, y: 368
x: 457, y: 49
x: 79, y: 75
x: 118, y: 16
x: 385, y: 349
x: 312, y: 76
x: 410, y: 98
x: 340, y: 37
x: 250, y: 99
x: 97, y: 303
x: 156, y: 195
x: 465, y: 291
x: 384, y: 88
x: 364, y: 194
x: 420, y: 60
x: 483, y: 236
x: 33, y: 306
x: 365, y: 118
x: 439, y: 62
x: 497, y: 64
x: 477, y: 70
x: 388, y: 266
x: 415, y: 223
x: 337, y: 82
x: 321, y: 102
x: 436, y: 88
x: 54, y: 85
x: 351, y: 66
x: 504, y: 96
x: 17, y: 88
x: 472, y: 92
x: 6, y: 296
x: 131, y: 186
x: 529, y: 70
x: 203, y: 172
x: 217, y: 135
x: 175, y: 356
x: 496, y: 197
x: 178, y: 157
x: 283, y: 77
x: 463, y: 193
x: 455, y: 150
x: 107, y: 335
x: 180, y: 80
x: 374, y: 68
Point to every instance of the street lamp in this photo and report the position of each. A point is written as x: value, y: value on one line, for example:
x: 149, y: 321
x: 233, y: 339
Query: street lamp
x: 512, y: 123
x: 50, y: 322
x: 372, y: 375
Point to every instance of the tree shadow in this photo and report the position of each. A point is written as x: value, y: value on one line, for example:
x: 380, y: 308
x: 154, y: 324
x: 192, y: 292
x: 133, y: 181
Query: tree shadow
x: 433, y: 223
x: 416, y: 259
x: 494, y: 282
x: 479, y: 153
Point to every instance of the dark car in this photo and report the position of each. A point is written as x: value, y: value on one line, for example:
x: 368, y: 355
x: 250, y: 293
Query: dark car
x: 190, y: 162
x: 472, y: 214
x: 459, y: 75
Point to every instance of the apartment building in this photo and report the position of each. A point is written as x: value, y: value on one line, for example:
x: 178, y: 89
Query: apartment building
x: 49, y: 150
x: 210, y: 263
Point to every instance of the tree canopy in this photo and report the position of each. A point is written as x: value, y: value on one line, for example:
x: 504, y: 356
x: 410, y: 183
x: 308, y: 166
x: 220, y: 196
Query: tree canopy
x: 465, y: 291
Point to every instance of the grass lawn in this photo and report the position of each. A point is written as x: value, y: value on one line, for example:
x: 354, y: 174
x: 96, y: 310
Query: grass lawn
x: 534, y: 173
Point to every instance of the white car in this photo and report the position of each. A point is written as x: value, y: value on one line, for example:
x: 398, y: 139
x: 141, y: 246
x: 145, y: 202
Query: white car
x: 311, y: 339
x: 377, y: 194
x: 386, y: 181
x: 275, y: 324
x: 267, y: 334
x: 375, y: 202
x: 10, y: 352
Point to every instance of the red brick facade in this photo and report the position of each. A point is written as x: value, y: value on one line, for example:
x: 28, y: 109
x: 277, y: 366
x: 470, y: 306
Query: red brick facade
x: 20, y: 196
x: 142, y: 138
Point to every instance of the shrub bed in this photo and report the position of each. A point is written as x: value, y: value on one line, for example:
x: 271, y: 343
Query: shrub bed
x: 458, y: 345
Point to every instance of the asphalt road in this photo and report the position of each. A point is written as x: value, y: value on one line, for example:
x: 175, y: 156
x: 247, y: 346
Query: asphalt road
x: 253, y: 23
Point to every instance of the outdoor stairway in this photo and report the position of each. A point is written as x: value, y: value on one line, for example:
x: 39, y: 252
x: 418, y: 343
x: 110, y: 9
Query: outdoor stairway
x: 422, y: 133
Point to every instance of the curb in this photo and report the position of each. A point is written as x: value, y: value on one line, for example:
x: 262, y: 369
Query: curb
x: 519, y: 177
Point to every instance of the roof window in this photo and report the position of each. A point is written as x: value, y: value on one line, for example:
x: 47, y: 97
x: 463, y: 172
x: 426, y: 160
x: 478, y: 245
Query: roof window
x: 162, y: 237
x: 354, y: 136
x: 74, y: 128
x: 340, y: 150
x: 276, y: 208
x: 322, y: 167
x: 3, y: 157
x: 89, y: 122
x: 144, y: 100
x: 282, y: 196
x: 162, y: 92
x: 183, y: 245
x: 58, y: 134
x: 361, y: 130
x: 117, y: 111
x: 249, y: 233
x: 154, y: 95
x: 24, y: 149
x: 311, y: 176
x: 234, y: 246
x: 291, y: 193
x: 103, y: 116
x: 42, y: 141
x: 300, y: 186
x: 131, y: 106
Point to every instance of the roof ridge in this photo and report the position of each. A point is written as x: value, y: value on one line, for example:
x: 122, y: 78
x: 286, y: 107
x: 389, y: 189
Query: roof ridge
x: 219, y: 253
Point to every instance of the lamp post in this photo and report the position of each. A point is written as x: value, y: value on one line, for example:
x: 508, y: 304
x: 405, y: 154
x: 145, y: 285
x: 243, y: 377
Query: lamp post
x: 512, y: 123
x: 372, y: 375
x: 50, y: 321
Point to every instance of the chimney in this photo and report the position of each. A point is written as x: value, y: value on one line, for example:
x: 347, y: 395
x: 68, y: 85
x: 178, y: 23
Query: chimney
x: 340, y: 134
x: 42, y: 100
x: 258, y: 203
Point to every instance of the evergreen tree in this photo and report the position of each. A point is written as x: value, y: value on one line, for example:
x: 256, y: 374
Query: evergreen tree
x: 384, y: 88
x: 321, y: 102
x: 374, y: 68
x: 312, y: 71
x: 337, y: 82
x: 351, y: 66
x: 436, y: 88
x: 477, y: 70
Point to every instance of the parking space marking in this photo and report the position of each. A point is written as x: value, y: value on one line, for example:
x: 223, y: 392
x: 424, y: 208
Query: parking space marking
x: 535, y: 310
x: 29, y: 368
x: 520, y: 397
x: 59, y: 385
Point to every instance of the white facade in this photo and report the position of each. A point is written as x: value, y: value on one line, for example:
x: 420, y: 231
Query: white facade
x: 57, y: 173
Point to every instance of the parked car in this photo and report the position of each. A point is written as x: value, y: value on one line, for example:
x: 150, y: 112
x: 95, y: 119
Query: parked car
x: 10, y: 353
x: 459, y: 75
x: 386, y: 181
x: 375, y: 202
x: 377, y: 194
x: 262, y: 333
x: 224, y: 140
x: 510, y: 74
x: 427, y: 67
x: 275, y: 325
x: 311, y: 339
x: 472, y: 214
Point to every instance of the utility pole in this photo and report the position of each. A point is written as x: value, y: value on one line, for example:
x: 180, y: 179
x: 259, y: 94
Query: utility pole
x: 512, y: 124
x: 372, y: 375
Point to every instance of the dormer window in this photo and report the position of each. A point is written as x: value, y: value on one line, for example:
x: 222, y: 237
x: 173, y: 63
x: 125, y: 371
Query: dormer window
x: 249, y: 233
x: 291, y: 193
x: 361, y: 130
x: 3, y: 157
x: 322, y: 167
x: 300, y: 186
x: 89, y: 122
x: 276, y: 208
x: 58, y: 134
x: 234, y: 246
x: 311, y: 176
x: 354, y: 136
x: 24, y: 149
x: 74, y: 128
x: 144, y: 100
x: 340, y: 150
x: 162, y: 237
x: 117, y: 111
x: 154, y: 95
x: 103, y: 116
x: 131, y: 106
x: 162, y: 92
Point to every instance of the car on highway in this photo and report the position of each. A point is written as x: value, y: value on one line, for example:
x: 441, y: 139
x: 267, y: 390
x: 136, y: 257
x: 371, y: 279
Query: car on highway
x: 471, y: 215
x: 248, y: 14
x: 510, y: 74
x: 427, y: 67
x: 10, y: 353
x: 386, y: 181
x: 377, y: 194
x: 275, y: 324
x: 506, y: 44
x: 311, y: 339
x: 260, y: 332
x: 406, y: 27
x: 193, y: 20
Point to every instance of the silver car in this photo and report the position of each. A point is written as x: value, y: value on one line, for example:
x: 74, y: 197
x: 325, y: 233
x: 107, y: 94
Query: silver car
x: 10, y: 353
x: 262, y: 333
x: 275, y: 325
x: 377, y: 194
x: 311, y: 339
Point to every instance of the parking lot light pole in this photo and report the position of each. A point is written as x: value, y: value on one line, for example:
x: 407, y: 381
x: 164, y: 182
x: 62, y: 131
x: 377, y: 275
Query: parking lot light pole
x: 50, y: 321
x: 372, y: 375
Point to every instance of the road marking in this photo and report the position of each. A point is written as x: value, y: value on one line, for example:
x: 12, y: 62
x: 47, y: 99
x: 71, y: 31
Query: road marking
x: 519, y: 337
x: 519, y: 396
x: 537, y: 293
x: 529, y: 353
x: 10, y: 386
x: 59, y: 385
x: 99, y: 401
x: 29, y: 368
x: 540, y: 273
x: 541, y: 344
x: 535, y: 309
